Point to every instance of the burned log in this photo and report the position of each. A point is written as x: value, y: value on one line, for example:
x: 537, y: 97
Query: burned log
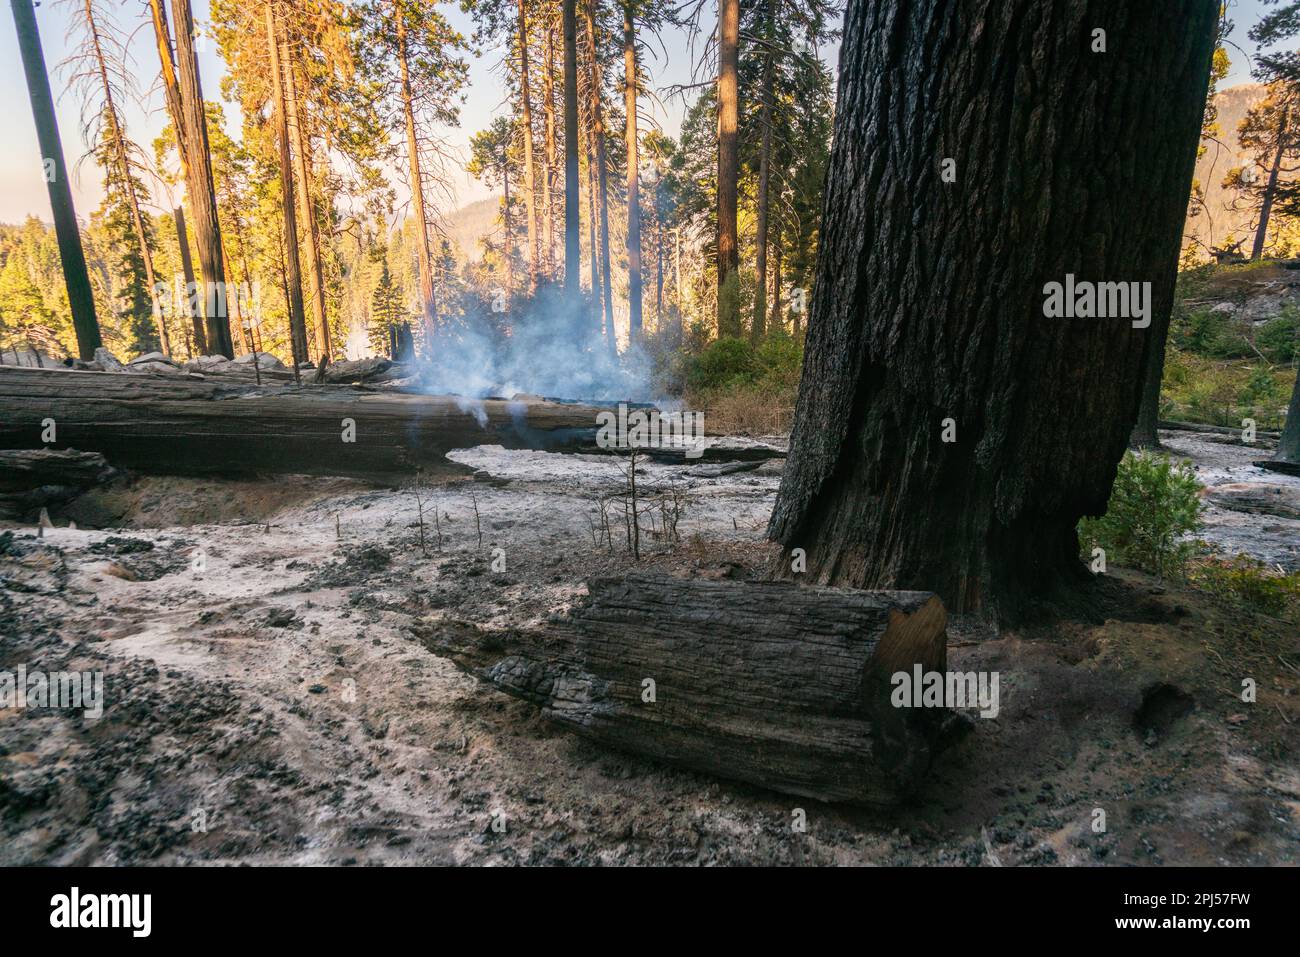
x: 783, y: 686
x: 32, y: 479
x: 198, y: 426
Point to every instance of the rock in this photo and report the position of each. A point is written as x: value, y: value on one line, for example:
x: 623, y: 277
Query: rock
x: 1257, y: 497
x: 208, y: 364
x: 1225, y: 308
x: 107, y: 361
x: 155, y: 368
x: 280, y: 617
x: 264, y: 360
x: 151, y: 357
x: 356, y: 370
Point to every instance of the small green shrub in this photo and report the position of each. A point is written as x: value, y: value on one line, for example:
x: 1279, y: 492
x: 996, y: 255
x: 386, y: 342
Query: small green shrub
x: 1248, y: 583
x: 1153, y: 506
x: 724, y: 363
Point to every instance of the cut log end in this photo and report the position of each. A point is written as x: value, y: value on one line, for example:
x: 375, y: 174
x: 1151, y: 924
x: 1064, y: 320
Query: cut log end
x: 783, y: 686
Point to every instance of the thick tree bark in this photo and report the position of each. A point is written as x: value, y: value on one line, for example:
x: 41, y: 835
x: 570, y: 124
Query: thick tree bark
x: 1288, y: 447
x: 193, y: 293
x: 630, y: 81
x: 728, y: 167
x: 311, y: 231
x: 81, y: 299
x: 602, y: 174
x: 1146, y: 433
x: 188, y: 426
x: 292, y: 267
x: 572, y: 227
x: 948, y: 434
x: 784, y: 687
x: 424, y: 252
x: 526, y: 117
x: 200, y: 187
x: 758, y: 328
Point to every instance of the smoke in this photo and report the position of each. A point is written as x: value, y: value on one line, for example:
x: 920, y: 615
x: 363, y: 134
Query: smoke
x: 547, y: 347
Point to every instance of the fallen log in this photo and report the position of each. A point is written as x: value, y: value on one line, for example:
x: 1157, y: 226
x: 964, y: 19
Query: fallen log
x: 1257, y: 497
x: 195, y: 426
x: 780, y: 685
x: 32, y: 479
x: 1277, y: 465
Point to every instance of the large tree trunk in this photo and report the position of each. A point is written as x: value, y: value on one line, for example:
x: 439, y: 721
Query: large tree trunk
x: 797, y: 700
x: 424, y: 252
x: 292, y: 268
x: 759, y: 324
x: 728, y: 167
x: 1145, y: 431
x: 526, y: 116
x: 572, y: 227
x: 949, y: 435
x: 548, y: 176
x: 200, y: 187
x: 311, y: 231
x: 630, y: 81
x: 1288, y: 447
x: 602, y: 173
x: 81, y: 299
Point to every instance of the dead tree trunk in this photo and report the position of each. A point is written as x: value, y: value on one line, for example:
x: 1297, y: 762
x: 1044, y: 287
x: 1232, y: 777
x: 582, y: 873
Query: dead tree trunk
x: 81, y: 300
x: 602, y: 175
x: 951, y: 433
x: 789, y: 688
x: 200, y: 187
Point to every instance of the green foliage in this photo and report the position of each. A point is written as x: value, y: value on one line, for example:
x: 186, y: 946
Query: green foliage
x: 1249, y: 583
x: 1154, y: 505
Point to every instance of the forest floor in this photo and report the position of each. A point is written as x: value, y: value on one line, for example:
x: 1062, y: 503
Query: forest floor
x: 266, y: 701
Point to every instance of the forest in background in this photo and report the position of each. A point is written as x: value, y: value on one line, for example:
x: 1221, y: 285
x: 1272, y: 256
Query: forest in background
x: 368, y: 91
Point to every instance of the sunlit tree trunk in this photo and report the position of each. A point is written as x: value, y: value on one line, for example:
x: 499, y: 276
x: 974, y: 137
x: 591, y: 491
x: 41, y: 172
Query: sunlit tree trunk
x: 198, y: 175
x: 572, y: 235
x: 728, y: 167
x: 303, y: 171
x: 548, y: 178
x: 292, y: 267
x: 424, y: 251
x: 526, y: 117
x: 602, y: 175
x: 633, y: 176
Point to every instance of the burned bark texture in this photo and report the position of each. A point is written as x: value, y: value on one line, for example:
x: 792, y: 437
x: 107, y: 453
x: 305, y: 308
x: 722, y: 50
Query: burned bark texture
x: 193, y: 426
x: 781, y: 686
x: 929, y: 297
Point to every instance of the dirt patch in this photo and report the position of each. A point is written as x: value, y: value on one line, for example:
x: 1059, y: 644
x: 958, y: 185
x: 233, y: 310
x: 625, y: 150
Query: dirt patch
x: 270, y: 705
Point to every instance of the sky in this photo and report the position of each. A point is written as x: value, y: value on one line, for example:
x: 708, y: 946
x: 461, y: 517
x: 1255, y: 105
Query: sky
x: 22, y: 181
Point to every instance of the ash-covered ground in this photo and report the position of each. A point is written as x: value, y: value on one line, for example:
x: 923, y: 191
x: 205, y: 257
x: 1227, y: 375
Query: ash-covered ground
x: 266, y: 702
